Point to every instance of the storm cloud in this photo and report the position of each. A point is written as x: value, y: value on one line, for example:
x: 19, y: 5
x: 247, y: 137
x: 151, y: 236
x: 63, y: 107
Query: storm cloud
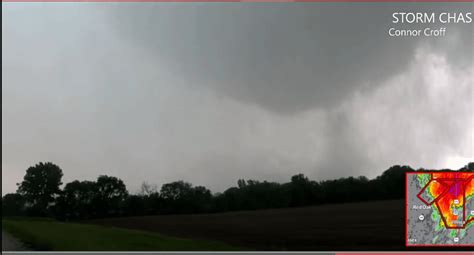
x: 285, y: 58
x: 211, y: 93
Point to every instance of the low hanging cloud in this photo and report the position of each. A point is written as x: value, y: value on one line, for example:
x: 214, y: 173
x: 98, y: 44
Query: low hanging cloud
x: 160, y: 93
x: 285, y: 58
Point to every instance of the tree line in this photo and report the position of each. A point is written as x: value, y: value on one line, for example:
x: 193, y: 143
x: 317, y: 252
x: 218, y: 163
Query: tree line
x: 40, y: 194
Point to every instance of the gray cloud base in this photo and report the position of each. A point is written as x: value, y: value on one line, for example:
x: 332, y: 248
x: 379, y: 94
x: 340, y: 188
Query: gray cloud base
x: 285, y: 58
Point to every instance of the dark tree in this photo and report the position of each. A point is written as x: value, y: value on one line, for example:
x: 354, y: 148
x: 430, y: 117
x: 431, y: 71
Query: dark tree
x: 135, y: 205
x: 39, y: 194
x: 13, y: 205
x: 76, y: 200
x: 200, y: 199
x: 40, y: 186
x: 468, y: 168
x: 175, y: 190
x: 178, y: 197
x: 303, y: 191
x: 146, y: 202
x: 392, y: 182
x: 111, y: 193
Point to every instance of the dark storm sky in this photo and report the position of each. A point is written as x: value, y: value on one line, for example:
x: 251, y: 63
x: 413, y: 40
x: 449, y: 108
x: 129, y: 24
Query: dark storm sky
x: 210, y: 93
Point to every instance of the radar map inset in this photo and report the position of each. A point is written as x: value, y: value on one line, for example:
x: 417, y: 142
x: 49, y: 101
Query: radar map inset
x: 440, y: 208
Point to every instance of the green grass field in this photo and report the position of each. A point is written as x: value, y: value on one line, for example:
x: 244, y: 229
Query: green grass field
x: 43, y: 234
